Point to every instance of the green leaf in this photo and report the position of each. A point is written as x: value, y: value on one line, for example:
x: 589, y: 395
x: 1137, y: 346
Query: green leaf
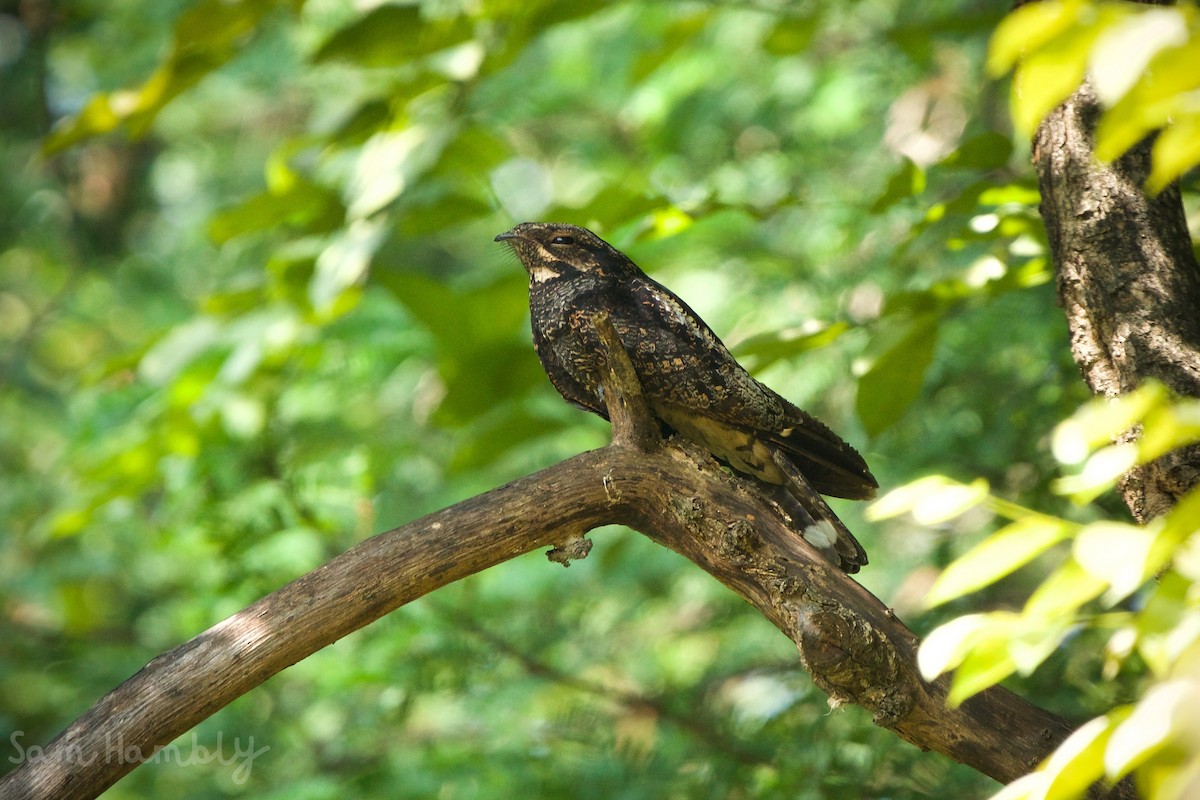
x: 483, y: 356
x: 907, y: 181
x: 1034, y: 640
x: 1122, y: 556
x: 989, y: 150
x: 1063, y: 593
x: 767, y: 348
x: 206, y: 36
x: 1099, y: 474
x: 303, y: 206
x: 1165, y: 715
x: 1161, y: 95
x: 792, y: 35
x: 1028, y: 29
x: 987, y: 663
x: 893, y: 382
x: 391, y: 36
x: 1000, y: 554
x: 932, y: 498
x: 1169, y: 624
x: 1176, y: 150
x: 1048, y: 77
x: 1101, y: 420
x: 1167, y: 427
x: 947, y: 645
x: 1078, y: 762
x: 1026, y: 787
x: 344, y: 262
x: 1123, y: 53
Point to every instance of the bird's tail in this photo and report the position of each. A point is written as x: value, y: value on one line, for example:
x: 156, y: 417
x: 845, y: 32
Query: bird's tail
x: 814, y: 519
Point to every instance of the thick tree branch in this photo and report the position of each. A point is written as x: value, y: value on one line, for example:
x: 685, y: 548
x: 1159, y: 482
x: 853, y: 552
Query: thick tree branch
x: 1127, y: 280
x: 854, y: 646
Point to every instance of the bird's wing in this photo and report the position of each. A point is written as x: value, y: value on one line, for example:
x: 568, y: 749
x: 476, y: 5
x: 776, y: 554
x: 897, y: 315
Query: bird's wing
x: 679, y: 358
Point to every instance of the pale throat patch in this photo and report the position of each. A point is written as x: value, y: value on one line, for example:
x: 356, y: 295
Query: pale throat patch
x: 540, y: 274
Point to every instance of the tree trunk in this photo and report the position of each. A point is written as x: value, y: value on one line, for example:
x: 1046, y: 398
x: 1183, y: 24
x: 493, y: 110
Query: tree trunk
x: 1127, y: 280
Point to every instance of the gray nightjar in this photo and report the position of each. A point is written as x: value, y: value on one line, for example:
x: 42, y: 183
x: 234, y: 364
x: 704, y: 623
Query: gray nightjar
x: 692, y: 383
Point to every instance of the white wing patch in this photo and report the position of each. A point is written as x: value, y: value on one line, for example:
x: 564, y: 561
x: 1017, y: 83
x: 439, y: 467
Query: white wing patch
x: 821, y: 534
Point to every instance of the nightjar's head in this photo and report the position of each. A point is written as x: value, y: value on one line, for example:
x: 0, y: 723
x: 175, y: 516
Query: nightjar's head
x: 551, y: 251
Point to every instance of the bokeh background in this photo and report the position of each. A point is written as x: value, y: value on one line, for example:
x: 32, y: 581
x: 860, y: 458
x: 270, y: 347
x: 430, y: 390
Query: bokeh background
x: 251, y: 313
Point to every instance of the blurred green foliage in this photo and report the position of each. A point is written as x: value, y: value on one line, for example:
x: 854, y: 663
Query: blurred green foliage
x: 251, y: 313
x: 1139, y: 585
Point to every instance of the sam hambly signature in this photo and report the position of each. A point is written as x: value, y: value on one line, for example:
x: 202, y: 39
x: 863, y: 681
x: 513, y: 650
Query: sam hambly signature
x: 181, y: 752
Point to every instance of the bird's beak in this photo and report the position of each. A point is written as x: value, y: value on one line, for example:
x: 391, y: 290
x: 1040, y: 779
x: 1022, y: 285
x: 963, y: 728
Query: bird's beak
x: 503, y: 237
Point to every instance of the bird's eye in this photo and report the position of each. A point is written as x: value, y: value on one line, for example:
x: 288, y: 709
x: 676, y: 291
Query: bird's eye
x: 562, y: 239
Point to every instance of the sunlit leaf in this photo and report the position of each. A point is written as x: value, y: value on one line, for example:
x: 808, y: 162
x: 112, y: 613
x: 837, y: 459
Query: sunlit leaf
x: 1102, y: 420
x: 987, y: 663
x: 1078, y: 762
x: 1028, y: 29
x: 1026, y: 787
x: 1172, y: 776
x: 1034, y: 640
x: 207, y: 35
x: 1012, y: 193
x: 1049, y: 76
x: 1120, y: 555
x: 1167, y: 427
x: 1161, y: 96
x: 947, y: 645
x: 1100, y: 472
x: 344, y: 262
x: 1125, y: 48
x: 1064, y: 592
x: 1176, y: 150
x: 1166, y: 713
x: 1169, y: 625
x: 998, y: 555
x: 936, y: 495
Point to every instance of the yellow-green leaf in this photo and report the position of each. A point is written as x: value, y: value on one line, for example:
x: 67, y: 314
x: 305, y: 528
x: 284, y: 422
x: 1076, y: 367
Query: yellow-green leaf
x: 1169, y: 426
x: 998, y: 555
x: 934, y: 496
x: 1118, y: 554
x: 1028, y: 29
x: 1098, y: 422
x: 1079, y: 761
x: 1099, y: 474
x: 947, y: 645
x: 1124, y: 50
x: 986, y: 664
x: 1165, y: 714
x: 1176, y: 151
x: 1034, y: 639
x: 1063, y: 593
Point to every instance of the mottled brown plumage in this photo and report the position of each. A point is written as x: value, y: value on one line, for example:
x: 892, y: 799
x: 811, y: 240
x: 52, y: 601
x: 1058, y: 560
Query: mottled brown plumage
x: 692, y: 383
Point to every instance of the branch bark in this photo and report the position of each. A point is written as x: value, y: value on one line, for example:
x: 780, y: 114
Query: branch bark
x: 1128, y: 281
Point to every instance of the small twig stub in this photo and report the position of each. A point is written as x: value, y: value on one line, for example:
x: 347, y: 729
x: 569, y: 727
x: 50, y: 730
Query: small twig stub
x: 632, y: 423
